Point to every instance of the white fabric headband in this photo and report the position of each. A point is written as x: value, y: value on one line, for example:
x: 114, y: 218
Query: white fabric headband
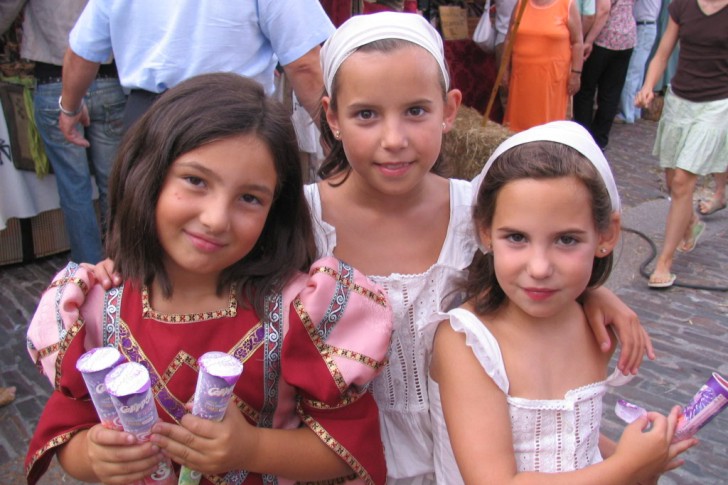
x: 567, y: 133
x: 364, y: 29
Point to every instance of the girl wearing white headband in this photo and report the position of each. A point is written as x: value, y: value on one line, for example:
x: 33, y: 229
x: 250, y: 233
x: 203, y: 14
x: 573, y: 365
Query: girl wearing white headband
x: 546, y: 212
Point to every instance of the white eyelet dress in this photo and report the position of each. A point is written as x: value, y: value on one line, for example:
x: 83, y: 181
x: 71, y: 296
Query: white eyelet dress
x: 401, y: 389
x: 548, y: 435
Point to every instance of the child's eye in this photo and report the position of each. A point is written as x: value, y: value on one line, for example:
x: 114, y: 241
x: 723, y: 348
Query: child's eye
x: 516, y: 238
x: 192, y: 180
x: 250, y: 199
x: 568, y: 240
x: 416, y: 111
x: 365, y: 114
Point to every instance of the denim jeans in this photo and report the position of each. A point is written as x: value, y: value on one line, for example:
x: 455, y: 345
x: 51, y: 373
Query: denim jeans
x: 646, y: 35
x: 72, y: 164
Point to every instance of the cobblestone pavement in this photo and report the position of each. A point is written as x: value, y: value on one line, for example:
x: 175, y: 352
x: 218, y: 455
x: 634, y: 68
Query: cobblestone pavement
x: 688, y: 326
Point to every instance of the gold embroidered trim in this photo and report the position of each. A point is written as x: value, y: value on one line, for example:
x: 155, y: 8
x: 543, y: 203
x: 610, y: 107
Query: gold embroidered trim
x: 69, y: 279
x: 63, y: 346
x: 335, y: 446
x: 377, y: 298
x: 56, y: 441
x: 149, y: 312
x: 350, y: 398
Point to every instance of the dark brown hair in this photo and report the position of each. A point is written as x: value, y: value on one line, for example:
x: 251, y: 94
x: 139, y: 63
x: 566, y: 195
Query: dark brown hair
x: 201, y: 110
x: 335, y: 161
x: 536, y: 160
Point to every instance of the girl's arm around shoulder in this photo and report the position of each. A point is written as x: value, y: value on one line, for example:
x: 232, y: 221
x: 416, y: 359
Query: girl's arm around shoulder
x: 602, y: 308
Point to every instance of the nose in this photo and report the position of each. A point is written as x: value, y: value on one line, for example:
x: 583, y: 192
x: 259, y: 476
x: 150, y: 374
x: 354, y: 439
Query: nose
x: 394, y: 135
x: 539, y: 264
x: 215, y: 214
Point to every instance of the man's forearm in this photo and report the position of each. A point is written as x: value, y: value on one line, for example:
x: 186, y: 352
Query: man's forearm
x: 78, y: 74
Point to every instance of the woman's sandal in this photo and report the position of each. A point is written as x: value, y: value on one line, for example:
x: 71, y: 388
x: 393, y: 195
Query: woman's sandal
x: 696, y: 231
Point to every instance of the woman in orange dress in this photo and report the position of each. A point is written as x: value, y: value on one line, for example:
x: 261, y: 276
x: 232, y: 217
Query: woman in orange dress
x: 545, y: 64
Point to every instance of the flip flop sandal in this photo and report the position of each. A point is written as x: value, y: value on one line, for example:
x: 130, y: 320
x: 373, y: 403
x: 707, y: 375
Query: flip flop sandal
x: 713, y: 207
x: 663, y: 284
x: 697, y: 231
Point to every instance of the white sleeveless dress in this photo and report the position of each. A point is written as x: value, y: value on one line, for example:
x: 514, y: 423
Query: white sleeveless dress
x: 401, y: 389
x: 548, y: 435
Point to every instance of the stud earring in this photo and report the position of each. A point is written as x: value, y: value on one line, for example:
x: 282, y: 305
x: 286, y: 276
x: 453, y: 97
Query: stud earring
x: 444, y: 126
x: 603, y: 250
x: 337, y: 135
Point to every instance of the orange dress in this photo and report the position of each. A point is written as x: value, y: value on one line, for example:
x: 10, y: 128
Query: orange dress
x: 540, y: 66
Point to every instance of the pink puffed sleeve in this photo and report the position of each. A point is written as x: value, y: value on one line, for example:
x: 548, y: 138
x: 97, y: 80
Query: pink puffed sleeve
x: 337, y: 340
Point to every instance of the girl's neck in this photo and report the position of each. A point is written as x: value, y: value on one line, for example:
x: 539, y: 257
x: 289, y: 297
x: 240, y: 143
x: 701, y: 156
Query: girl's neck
x: 362, y: 194
x: 188, y: 296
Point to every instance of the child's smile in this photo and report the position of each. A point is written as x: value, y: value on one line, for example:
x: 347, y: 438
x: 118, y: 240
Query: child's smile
x: 213, y: 205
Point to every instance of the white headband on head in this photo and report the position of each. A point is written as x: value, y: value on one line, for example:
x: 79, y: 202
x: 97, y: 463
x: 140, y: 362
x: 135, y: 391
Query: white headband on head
x: 364, y: 29
x: 567, y: 133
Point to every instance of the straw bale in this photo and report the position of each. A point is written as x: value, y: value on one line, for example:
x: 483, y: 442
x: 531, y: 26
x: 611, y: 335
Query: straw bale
x: 468, y: 145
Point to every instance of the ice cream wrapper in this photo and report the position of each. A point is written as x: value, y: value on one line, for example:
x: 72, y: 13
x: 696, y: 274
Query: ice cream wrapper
x: 216, y: 379
x: 707, y: 403
x: 129, y: 386
x: 94, y: 365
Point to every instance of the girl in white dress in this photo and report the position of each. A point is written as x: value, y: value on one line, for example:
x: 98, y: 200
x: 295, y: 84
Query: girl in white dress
x: 517, y: 377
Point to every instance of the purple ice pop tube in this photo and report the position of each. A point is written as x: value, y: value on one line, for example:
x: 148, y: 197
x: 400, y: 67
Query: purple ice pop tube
x: 707, y: 403
x: 94, y: 365
x: 129, y: 386
x: 216, y: 379
x: 217, y: 376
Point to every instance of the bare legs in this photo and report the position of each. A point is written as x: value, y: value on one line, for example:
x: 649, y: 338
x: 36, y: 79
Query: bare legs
x: 680, y: 220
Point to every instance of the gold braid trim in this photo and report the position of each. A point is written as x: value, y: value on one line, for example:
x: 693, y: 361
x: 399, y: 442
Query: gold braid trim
x: 70, y: 279
x: 377, y: 298
x: 63, y: 346
x: 54, y: 442
x: 335, y: 446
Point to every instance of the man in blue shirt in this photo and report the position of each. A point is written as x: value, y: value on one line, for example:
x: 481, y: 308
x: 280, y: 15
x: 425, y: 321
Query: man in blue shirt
x: 158, y: 44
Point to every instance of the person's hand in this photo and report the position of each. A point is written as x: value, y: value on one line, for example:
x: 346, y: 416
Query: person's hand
x: 602, y: 308
x: 588, y: 46
x: 644, y: 98
x: 651, y: 451
x: 574, y: 83
x: 67, y: 125
x: 117, y: 458
x: 208, y: 446
x: 103, y: 273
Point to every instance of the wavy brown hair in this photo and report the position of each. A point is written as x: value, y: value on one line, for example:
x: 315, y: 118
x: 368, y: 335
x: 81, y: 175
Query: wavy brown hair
x: 536, y: 160
x: 198, y: 111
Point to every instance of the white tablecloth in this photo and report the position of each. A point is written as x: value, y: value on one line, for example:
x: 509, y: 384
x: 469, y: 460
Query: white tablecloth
x: 22, y: 194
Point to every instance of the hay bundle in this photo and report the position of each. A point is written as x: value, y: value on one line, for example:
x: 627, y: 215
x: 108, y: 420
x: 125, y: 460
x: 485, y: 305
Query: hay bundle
x: 468, y: 145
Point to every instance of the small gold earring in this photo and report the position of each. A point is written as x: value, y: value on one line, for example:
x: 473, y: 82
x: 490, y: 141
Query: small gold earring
x: 337, y: 135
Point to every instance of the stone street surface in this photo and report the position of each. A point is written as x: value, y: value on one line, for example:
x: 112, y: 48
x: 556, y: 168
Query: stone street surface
x: 688, y: 323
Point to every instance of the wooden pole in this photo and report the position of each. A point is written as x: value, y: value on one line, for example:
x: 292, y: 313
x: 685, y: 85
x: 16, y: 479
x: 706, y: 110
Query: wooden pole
x: 507, y: 49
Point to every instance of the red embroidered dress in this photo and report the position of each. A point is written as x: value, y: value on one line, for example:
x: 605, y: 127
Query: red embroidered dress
x: 322, y: 340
